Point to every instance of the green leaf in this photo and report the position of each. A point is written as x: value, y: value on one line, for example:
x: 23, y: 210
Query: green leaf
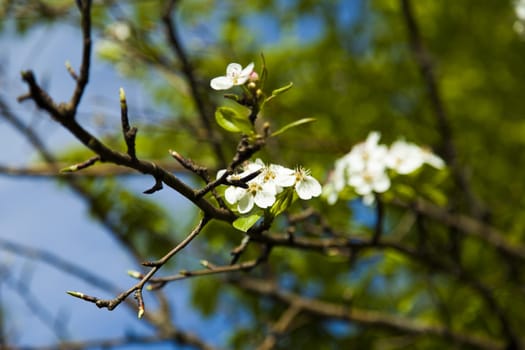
x: 231, y: 120
x: 264, y: 71
x: 245, y: 222
x: 278, y: 92
x: 293, y: 125
x: 282, y: 90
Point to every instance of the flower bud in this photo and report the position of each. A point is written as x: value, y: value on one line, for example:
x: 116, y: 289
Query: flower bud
x: 253, y: 77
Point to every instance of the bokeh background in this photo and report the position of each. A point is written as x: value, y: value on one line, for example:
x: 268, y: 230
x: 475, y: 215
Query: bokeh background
x: 454, y: 83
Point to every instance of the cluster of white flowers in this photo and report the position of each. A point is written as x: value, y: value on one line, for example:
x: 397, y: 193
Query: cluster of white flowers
x: 271, y: 180
x: 519, y: 9
x: 365, y: 167
x: 235, y: 75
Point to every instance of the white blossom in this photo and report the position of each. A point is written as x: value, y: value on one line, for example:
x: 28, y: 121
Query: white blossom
x: 277, y: 176
x: 368, y: 155
x: 306, y: 186
x: 432, y: 159
x: 261, y: 190
x: 369, y: 181
x: 366, y: 167
x: 235, y: 75
x: 404, y: 157
x: 519, y: 8
x: 260, y: 194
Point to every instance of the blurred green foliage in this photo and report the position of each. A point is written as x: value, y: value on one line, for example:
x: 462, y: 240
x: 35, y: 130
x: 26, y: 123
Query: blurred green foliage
x: 353, y: 71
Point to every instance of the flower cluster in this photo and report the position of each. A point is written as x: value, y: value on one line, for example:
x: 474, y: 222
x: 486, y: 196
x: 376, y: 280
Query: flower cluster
x: 365, y: 167
x: 519, y: 24
x: 268, y: 182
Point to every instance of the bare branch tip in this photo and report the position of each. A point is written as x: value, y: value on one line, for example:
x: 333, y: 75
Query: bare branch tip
x: 75, y: 294
x: 135, y: 274
x: 122, y: 95
x: 71, y: 70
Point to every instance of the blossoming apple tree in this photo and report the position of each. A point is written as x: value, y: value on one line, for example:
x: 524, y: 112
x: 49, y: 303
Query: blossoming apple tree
x: 319, y: 214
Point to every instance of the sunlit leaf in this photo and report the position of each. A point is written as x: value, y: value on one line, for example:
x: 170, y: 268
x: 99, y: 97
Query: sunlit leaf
x: 244, y: 223
x: 231, y: 120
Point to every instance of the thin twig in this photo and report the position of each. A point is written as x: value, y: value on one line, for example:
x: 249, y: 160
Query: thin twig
x: 245, y: 149
x: 129, y: 133
x: 175, y: 43
x: 159, y: 282
x: 378, y: 231
x: 110, y: 155
x: 280, y: 327
x: 101, y: 170
x: 83, y: 77
x: 80, y: 166
x: 111, y: 304
x: 170, y: 332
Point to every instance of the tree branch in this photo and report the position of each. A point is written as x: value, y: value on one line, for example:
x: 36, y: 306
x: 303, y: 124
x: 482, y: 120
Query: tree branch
x: 83, y: 77
x: 101, y: 170
x: 322, y: 309
x: 111, y: 304
x: 469, y: 226
x: 129, y: 340
x: 175, y: 43
x: 119, y: 158
x: 280, y: 327
x: 426, y: 69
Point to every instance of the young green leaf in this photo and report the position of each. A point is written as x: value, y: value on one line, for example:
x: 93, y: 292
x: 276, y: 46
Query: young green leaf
x: 283, y: 202
x: 293, y: 125
x: 277, y: 92
x: 264, y: 71
x: 244, y: 223
x: 230, y: 120
x: 282, y: 90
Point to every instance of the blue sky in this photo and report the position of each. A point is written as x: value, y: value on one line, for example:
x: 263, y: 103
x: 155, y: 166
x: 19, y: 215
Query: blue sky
x: 39, y: 213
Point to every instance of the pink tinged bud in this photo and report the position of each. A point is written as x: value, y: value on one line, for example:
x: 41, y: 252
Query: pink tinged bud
x: 253, y: 77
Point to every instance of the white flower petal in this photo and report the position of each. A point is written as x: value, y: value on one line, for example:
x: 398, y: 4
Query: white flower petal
x: 221, y: 83
x: 307, y: 188
x: 434, y: 160
x: 381, y: 184
x: 264, y: 199
x: 331, y: 194
x: 404, y: 157
x: 233, y: 69
x: 233, y: 194
x: 245, y: 203
x: 372, y: 139
x: 285, y: 179
x: 244, y: 75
